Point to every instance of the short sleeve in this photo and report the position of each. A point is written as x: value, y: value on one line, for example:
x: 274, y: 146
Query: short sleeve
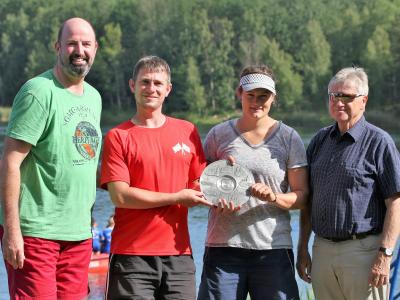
x: 297, y: 152
x: 210, y: 147
x: 28, y: 119
x: 198, y: 162
x: 388, y: 168
x: 113, y: 164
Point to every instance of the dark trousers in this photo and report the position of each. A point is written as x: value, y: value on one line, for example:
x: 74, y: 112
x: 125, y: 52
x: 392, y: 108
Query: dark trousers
x: 151, y: 277
x: 232, y: 273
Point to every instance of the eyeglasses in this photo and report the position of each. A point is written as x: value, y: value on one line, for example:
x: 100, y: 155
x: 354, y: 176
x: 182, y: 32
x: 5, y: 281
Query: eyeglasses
x: 344, y: 98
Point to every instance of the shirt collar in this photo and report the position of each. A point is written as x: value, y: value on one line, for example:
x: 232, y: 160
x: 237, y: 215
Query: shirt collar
x: 354, y: 132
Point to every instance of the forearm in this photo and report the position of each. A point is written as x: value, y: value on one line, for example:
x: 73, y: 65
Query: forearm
x: 380, y: 270
x: 305, y: 227
x: 15, y: 152
x: 135, y: 198
x: 297, y: 197
x: 10, y: 186
x: 124, y: 196
x: 303, y: 263
x: 391, y: 226
x: 291, y: 200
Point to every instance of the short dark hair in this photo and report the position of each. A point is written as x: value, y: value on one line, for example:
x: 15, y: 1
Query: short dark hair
x: 152, y: 63
x: 257, y: 69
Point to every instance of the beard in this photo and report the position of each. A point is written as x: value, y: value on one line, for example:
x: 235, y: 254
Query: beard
x: 76, y: 70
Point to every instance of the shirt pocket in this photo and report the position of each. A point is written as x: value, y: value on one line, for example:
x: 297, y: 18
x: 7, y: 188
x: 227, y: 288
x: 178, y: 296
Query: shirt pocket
x: 349, y: 177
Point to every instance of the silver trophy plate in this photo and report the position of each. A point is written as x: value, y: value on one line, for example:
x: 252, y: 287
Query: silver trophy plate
x: 223, y: 180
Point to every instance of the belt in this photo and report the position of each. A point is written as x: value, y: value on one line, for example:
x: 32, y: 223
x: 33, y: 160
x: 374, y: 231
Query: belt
x: 357, y: 236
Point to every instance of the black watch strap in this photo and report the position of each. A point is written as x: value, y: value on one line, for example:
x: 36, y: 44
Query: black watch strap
x: 386, y: 251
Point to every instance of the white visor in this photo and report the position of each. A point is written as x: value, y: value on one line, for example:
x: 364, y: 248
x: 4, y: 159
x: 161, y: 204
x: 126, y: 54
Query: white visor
x: 257, y: 81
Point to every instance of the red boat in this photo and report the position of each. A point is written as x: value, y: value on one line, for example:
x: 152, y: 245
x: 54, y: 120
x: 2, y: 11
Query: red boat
x: 99, y: 263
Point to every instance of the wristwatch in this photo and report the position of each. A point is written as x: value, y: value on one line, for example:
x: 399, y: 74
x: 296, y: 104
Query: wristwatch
x: 386, y: 251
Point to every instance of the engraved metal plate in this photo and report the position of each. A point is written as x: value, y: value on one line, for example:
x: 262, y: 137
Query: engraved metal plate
x: 222, y: 180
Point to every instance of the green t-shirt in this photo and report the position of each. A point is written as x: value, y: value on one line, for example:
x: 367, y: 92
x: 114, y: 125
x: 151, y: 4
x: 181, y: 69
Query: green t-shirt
x: 58, y: 177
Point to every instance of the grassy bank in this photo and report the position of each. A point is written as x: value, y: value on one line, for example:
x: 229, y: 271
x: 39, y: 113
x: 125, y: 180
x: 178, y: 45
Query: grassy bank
x: 4, y: 114
x: 303, y: 121
x: 110, y: 118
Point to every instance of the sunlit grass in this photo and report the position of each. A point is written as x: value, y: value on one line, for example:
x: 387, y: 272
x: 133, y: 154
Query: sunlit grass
x: 302, y: 121
x: 205, y: 122
x: 4, y: 114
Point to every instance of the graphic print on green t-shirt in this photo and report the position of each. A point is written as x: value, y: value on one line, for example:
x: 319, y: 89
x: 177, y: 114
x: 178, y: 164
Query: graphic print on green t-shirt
x: 86, y: 137
x: 86, y: 140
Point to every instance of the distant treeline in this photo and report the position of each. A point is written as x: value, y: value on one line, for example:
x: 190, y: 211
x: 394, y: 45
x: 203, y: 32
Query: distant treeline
x: 207, y: 42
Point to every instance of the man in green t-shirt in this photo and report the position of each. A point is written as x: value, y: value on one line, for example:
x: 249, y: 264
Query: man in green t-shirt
x: 48, y: 174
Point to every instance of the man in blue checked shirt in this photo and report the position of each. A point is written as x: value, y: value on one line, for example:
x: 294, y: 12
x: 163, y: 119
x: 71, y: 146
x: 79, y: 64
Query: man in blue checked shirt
x: 354, y: 208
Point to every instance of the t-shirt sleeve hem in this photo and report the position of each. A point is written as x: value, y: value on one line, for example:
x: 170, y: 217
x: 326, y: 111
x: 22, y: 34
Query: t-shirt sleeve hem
x: 104, y: 182
x: 300, y: 165
x: 28, y: 139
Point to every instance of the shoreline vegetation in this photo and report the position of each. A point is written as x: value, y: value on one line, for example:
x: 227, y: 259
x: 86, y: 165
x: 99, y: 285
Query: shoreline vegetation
x: 303, y: 121
x: 207, y: 43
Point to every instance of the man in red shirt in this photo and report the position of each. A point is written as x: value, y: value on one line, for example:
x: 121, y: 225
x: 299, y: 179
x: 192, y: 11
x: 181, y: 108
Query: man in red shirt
x: 151, y: 165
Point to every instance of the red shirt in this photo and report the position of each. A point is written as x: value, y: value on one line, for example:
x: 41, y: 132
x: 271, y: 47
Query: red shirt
x: 164, y: 159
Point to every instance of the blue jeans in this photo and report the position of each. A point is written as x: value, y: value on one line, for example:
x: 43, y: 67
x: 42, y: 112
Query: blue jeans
x: 232, y: 273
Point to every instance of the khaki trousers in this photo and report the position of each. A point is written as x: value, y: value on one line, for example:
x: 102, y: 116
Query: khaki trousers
x: 340, y: 270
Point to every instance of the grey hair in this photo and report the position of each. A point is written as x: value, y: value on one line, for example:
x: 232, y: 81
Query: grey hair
x: 354, y: 74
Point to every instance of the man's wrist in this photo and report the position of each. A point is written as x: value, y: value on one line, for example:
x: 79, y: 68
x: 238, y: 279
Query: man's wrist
x: 388, y: 252
x: 302, y: 249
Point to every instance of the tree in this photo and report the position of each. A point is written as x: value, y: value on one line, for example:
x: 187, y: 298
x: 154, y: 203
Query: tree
x: 109, y: 66
x: 250, y: 38
x: 14, y: 54
x: 215, y: 61
x: 314, y: 61
x: 346, y: 38
x: 304, y: 42
x: 194, y: 91
x: 289, y: 83
x: 377, y: 59
x: 394, y: 80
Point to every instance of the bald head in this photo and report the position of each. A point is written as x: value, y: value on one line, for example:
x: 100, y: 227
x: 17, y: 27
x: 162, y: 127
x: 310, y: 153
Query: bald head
x: 74, y: 21
x: 76, y: 48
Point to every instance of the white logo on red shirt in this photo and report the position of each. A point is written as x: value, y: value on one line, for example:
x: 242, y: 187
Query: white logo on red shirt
x: 183, y: 148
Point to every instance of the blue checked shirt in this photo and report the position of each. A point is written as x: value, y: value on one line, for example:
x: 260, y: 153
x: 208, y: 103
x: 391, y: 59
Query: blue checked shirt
x: 350, y: 177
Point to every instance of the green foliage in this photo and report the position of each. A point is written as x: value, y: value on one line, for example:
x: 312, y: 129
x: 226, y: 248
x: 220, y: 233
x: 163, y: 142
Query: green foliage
x: 304, y: 121
x: 113, y: 117
x: 14, y: 31
x: 377, y: 56
x: 207, y: 43
x: 310, y: 294
x: 4, y: 114
x: 290, y: 83
x: 194, y: 91
x: 314, y: 61
x: 108, y: 65
x: 205, y: 122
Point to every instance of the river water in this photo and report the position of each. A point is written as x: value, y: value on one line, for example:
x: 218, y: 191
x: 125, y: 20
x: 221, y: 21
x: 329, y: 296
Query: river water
x: 103, y: 208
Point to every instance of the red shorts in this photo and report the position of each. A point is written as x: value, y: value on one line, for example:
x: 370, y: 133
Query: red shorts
x: 52, y: 270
